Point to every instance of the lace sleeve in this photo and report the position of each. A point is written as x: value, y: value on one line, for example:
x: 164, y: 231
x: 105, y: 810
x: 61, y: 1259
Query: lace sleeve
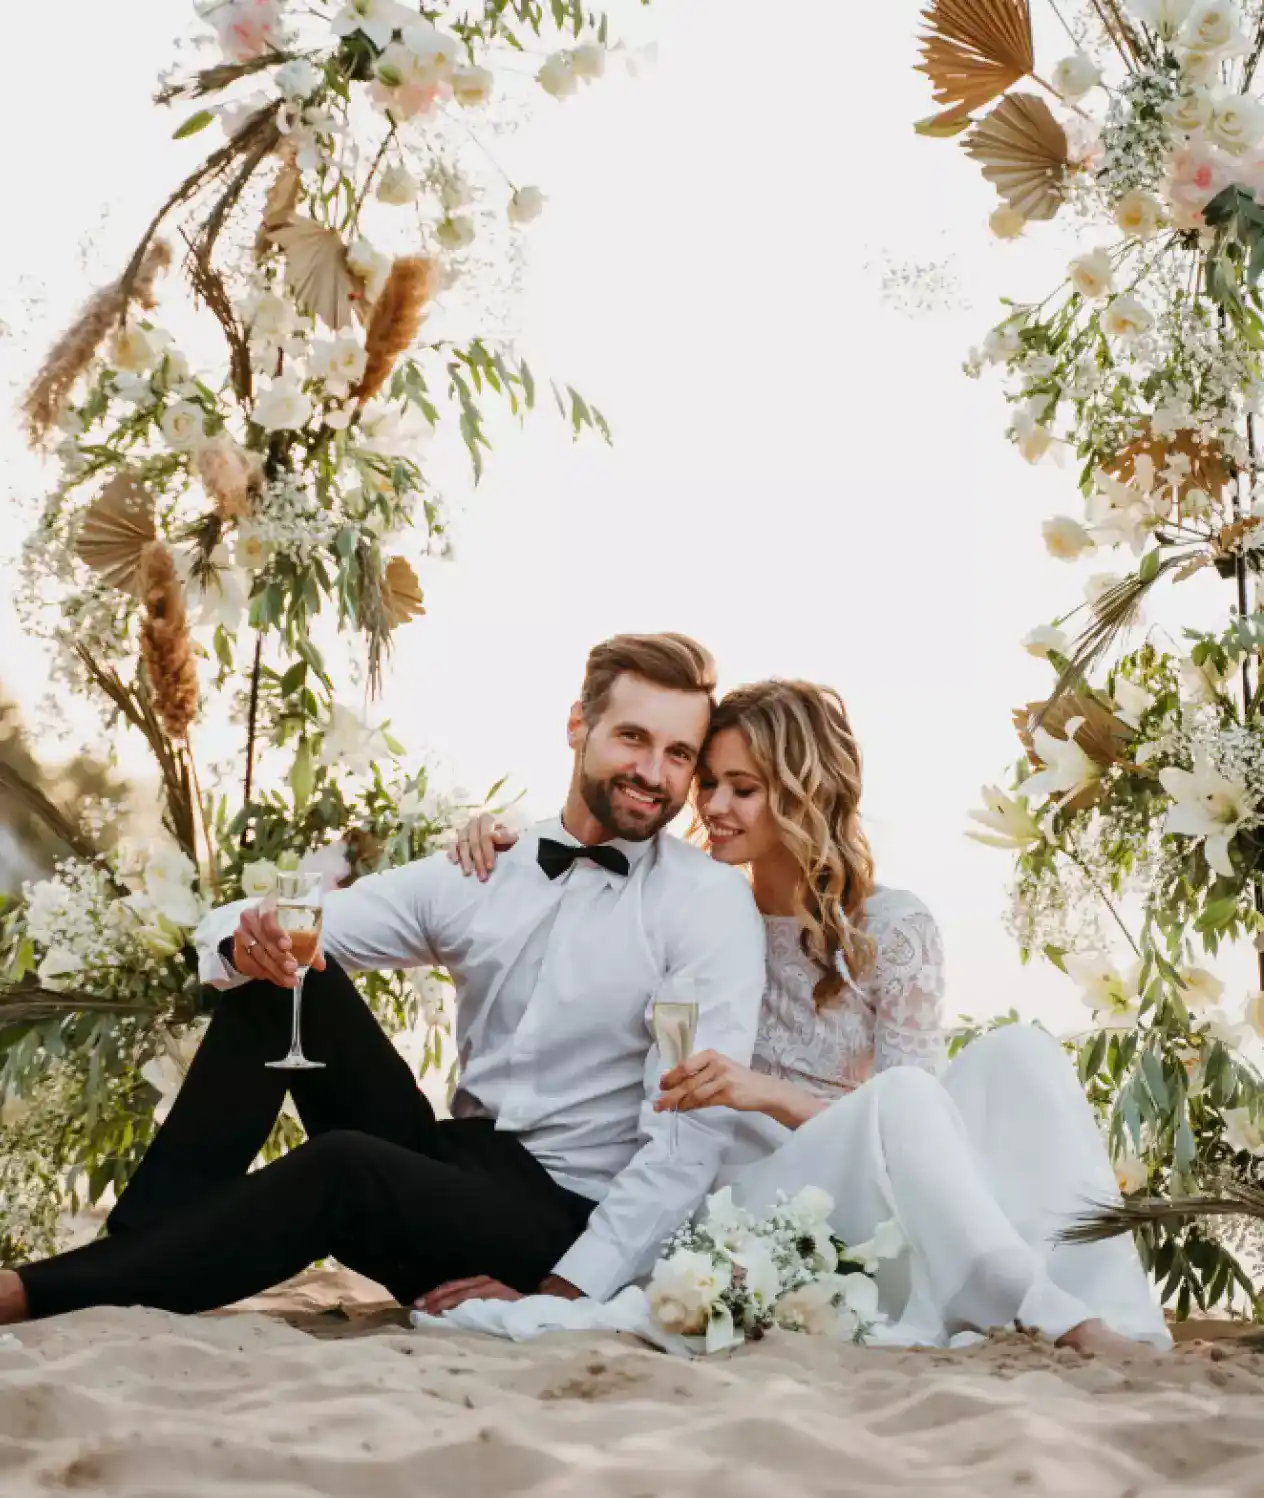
x: 907, y: 991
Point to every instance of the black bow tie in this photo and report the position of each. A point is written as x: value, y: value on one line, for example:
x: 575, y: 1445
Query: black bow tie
x: 555, y: 858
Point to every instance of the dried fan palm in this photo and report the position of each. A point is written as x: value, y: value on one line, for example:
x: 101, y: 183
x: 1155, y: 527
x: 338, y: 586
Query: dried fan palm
x: 973, y: 50
x: 1024, y: 154
x: 401, y: 593
x: 164, y: 643
x: 1102, y: 736
x: 1235, y: 1199
x: 317, y: 272
x: 396, y: 318
x: 115, y: 532
x: 75, y: 349
x: 1208, y: 469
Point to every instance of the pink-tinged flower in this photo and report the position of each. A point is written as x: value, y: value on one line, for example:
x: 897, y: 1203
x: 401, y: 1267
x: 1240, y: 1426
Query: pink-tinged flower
x: 406, y: 101
x: 247, y: 28
x: 1195, y: 176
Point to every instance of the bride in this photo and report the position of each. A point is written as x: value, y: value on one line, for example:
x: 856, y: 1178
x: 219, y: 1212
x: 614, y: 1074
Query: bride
x: 981, y: 1162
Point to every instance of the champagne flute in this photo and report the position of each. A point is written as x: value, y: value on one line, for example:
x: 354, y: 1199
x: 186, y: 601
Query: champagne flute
x: 675, y: 1030
x: 299, y: 906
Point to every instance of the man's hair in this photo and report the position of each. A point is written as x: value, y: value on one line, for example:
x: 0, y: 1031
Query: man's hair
x: 673, y: 661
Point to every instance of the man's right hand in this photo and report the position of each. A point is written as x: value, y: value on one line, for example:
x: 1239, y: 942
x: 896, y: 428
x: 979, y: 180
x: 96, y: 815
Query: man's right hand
x: 262, y: 950
x: 478, y: 843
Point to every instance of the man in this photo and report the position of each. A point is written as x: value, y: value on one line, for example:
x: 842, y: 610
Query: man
x: 555, y: 1173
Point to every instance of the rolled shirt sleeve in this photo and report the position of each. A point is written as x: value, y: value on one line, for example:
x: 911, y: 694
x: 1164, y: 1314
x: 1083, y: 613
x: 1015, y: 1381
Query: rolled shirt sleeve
x: 719, y: 944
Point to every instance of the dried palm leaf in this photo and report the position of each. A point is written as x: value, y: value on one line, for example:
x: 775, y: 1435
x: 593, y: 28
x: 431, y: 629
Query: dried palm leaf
x: 212, y: 80
x: 1228, y: 541
x: 1024, y: 154
x: 1109, y: 1220
x: 115, y: 531
x: 973, y: 50
x: 52, y: 816
x: 1102, y: 736
x: 317, y: 272
x: 26, y: 1003
x: 396, y: 319
x: 401, y: 593
x: 1208, y: 468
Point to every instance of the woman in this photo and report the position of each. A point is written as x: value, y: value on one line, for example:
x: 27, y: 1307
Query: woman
x: 981, y: 1167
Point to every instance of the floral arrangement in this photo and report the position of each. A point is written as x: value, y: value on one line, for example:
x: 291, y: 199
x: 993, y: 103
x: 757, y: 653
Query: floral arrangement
x: 1135, y: 814
x: 228, y: 551
x: 733, y: 1276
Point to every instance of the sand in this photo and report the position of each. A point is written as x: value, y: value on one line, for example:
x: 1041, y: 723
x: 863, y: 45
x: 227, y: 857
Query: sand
x: 291, y: 1397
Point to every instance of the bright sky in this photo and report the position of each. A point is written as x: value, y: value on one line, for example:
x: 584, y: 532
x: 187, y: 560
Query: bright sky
x: 802, y: 476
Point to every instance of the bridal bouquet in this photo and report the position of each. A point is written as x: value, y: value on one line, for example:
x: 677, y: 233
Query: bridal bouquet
x: 734, y: 1275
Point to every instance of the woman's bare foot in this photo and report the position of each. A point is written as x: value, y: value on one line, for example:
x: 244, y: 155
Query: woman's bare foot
x: 1097, y: 1340
x: 13, y: 1306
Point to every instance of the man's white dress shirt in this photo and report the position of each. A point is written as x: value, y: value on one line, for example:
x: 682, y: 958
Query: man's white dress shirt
x: 555, y: 983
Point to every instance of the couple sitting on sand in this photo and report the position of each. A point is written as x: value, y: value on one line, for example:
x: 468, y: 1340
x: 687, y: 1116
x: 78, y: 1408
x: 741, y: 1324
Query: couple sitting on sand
x: 816, y: 1061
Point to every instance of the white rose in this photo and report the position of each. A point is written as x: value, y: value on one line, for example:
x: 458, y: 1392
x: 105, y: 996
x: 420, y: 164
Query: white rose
x: 1044, y: 638
x: 1127, y: 319
x: 557, y: 76
x: 1066, y: 538
x: 588, y: 61
x: 1237, y: 122
x: 1139, y: 214
x: 1007, y: 223
x: 1092, y: 275
x: 270, y: 316
x: 456, y: 233
x: 1164, y: 16
x: 1131, y: 1174
x: 1075, y: 75
x: 283, y: 406
x: 1190, y: 111
x: 183, y: 425
x: 298, y: 79
x: 810, y: 1308
x: 370, y: 265
x: 683, y: 1288
x: 1213, y: 27
x: 437, y: 53
x: 135, y: 349
x: 471, y: 86
x: 339, y: 363
x: 526, y: 205
x: 811, y: 1207
x: 258, y: 878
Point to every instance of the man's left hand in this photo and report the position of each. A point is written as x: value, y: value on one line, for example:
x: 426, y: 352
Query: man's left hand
x: 448, y: 1296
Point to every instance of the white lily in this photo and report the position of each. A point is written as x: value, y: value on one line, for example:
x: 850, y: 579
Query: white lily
x: 1201, y: 989
x: 351, y: 743
x: 1068, y: 768
x: 1009, y: 823
x: 1207, y: 805
x: 888, y: 1242
x: 1242, y: 1131
x: 1131, y: 702
x: 1216, y: 1025
x: 1112, y: 995
x: 377, y: 19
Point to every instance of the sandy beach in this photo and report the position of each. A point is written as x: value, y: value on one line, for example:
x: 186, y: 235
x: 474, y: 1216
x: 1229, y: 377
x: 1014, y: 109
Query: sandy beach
x: 313, y: 1391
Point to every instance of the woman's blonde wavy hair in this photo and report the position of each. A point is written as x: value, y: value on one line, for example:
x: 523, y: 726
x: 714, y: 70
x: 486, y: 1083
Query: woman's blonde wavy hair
x: 801, y: 741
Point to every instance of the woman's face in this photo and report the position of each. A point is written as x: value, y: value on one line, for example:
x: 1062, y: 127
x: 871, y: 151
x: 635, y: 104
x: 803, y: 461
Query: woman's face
x: 733, y: 801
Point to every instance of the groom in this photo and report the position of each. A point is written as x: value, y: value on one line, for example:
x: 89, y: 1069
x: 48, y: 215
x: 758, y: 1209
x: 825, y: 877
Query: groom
x: 554, y: 1173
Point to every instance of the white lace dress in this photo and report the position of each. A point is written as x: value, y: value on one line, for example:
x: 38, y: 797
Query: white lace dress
x: 981, y: 1162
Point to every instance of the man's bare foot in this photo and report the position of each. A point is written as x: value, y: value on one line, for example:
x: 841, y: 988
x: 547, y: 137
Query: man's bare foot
x: 1097, y: 1340
x: 13, y: 1306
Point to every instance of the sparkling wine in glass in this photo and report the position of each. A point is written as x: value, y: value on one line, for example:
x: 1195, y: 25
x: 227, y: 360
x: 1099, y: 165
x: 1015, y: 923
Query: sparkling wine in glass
x: 675, y: 1030
x: 298, y: 909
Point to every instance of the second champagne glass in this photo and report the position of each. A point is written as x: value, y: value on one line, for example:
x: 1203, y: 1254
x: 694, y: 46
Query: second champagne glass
x: 675, y: 1030
x: 300, y: 900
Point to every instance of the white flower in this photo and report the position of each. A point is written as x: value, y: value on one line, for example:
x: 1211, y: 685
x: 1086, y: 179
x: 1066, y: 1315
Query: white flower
x: 1066, y: 538
x: 683, y: 1288
x: 1253, y: 1015
x: 1202, y: 684
x: 298, y: 79
x: 471, y: 86
x: 1190, y: 111
x: 339, y: 362
x: 1043, y: 639
x: 888, y: 1242
x: 811, y: 1207
x: 370, y: 265
x: 1242, y: 1131
x: 1139, y: 214
x: 350, y: 743
x: 557, y: 76
x: 184, y: 426
x: 1237, y: 121
x: 1031, y: 437
x: 1100, y: 584
x: 1164, y: 16
x: 253, y: 550
x: 456, y: 233
x: 392, y: 431
x: 219, y: 595
x: 526, y: 205
x: 377, y: 19
x: 1215, y: 1024
x: 1131, y: 701
x: 811, y: 1308
x: 166, y: 1070
x: 397, y: 186
x: 1002, y: 343
x: 1131, y: 1174
x: 330, y: 862
x: 1127, y: 318
x: 136, y: 349
x: 438, y: 54
x: 1009, y: 823
x: 1092, y: 275
x: 247, y: 29
x: 283, y: 406
x: 59, y: 962
x: 1111, y: 995
x: 721, y: 1332
x: 1006, y: 222
x: 1068, y: 768
x: 258, y: 878
x: 1207, y: 805
x: 1074, y: 76
x: 270, y: 316
x: 135, y: 389
x: 859, y: 1307
x: 760, y: 1279
x: 1213, y: 27
x: 1201, y: 989
x: 588, y: 61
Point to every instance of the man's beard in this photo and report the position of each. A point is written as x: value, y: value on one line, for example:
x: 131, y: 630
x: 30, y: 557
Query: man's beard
x: 622, y: 821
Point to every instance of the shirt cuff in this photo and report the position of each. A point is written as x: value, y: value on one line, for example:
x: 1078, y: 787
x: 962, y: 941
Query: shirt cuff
x: 215, y: 967
x: 593, y: 1265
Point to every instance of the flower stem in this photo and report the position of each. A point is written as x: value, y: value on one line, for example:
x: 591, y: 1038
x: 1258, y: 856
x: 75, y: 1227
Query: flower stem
x: 1071, y: 852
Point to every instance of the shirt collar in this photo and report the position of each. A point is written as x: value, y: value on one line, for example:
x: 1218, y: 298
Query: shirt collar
x: 633, y: 852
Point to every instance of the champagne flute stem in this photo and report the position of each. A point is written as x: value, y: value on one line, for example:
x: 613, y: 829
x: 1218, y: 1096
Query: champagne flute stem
x: 296, y: 1048
x: 673, y: 1131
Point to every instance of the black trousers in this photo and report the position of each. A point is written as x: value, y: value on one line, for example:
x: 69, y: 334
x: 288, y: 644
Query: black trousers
x: 381, y: 1185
